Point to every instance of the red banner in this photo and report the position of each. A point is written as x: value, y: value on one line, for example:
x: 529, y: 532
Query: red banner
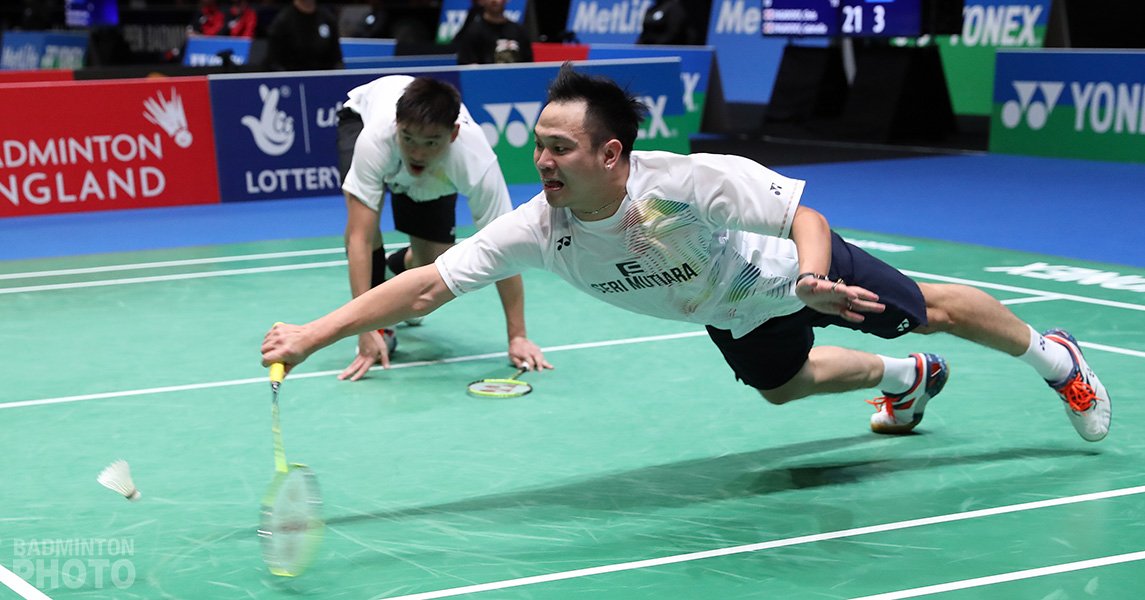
x: 36, y: 75
x: 79, y: 147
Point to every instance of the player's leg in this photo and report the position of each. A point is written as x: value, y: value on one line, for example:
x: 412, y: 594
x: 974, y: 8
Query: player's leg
x: 974, y: 315
x: 430, y: 226
x: 907, y: 383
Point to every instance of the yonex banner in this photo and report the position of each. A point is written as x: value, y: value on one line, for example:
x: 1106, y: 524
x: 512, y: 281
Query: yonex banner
x: 127, y: 144
x: 454, y: 13
x: 987, y: 26
x: 506, y: 102
x: 1078, y: 104
x: 608, y: 21
x: 278, y: 133
x: 695, y: 69
x: 23, y: 50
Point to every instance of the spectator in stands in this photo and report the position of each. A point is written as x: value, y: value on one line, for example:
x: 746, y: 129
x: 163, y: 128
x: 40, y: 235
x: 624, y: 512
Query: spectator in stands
x: 242, y: 21
x: 374, y: 24
x: 303, y: 37
x: 210, y: 20
x: 493, y: 38
x: 667, y: 23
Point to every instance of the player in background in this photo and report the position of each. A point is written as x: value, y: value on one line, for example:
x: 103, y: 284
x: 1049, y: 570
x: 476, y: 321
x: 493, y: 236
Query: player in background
x: 414, y: 137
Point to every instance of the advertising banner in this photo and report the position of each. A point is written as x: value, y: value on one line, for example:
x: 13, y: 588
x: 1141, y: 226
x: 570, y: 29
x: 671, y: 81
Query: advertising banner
x: 608, y: 21
x: 454, y: 13
x: 24, y: 50
x: 695, y: 72
x: 1076, y: 104
x: 968, y: 58
x: 507, y: 101
x: 123, y: 144
x: 207, y: 50
x: 278, y: 133
x: 747, y: 60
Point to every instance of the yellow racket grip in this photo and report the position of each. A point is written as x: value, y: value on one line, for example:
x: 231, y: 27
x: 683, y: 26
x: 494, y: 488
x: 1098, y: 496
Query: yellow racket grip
x: 277, y: 370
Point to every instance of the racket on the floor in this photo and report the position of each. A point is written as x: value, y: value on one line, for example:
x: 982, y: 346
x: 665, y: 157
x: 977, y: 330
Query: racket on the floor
x: 500, y: 388
x: 291, y: 526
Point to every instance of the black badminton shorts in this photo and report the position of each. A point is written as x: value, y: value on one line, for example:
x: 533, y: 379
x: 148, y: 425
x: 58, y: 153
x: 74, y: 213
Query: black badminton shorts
x: 433, y: 220
x: 771, y: 354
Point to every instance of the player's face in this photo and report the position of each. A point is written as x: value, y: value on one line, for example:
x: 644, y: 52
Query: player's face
x: 423, y: 145
x: 572, y: 172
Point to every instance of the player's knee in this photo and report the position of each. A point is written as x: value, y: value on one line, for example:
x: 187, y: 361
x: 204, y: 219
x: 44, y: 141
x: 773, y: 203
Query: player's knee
x: 779, y: 395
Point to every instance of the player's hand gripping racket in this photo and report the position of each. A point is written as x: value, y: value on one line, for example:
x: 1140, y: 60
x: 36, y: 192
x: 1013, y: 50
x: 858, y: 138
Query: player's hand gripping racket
x: 501, y: 388
x: 292, y: 525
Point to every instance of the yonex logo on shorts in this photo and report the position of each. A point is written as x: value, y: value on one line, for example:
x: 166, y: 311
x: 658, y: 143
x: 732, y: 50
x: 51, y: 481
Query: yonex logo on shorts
x: 518, y: 132
x: 1036, y: 111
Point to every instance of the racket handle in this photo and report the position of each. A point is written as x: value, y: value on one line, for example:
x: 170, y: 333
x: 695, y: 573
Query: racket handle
x: 277, y: 370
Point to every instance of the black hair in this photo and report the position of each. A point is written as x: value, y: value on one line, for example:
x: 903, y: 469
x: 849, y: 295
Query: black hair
x: 612, y: 112
x: 429, y: 101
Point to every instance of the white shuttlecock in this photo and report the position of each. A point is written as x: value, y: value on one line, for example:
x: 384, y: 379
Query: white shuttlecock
x: 117, y: 478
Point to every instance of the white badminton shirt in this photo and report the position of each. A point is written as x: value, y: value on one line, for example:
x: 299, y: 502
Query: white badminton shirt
x: 700, y: 238
x: 468, y: 166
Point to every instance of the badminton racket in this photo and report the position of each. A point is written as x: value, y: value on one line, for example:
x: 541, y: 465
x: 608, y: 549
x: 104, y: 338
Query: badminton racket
x: 500, y: 388
x: 291, y: 526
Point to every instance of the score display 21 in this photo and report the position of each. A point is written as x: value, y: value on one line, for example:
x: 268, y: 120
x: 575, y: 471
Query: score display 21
x: 873, y: 18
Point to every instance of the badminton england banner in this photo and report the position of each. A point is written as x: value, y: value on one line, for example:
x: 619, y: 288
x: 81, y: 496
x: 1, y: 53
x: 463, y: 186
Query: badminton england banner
x: 507, y: 101
x: 1075, y: 104
x: 125, y: 144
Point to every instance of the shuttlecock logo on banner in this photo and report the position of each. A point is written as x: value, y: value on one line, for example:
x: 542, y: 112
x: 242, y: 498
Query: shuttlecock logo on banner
x: 273, y: 129
x: 170, y: 116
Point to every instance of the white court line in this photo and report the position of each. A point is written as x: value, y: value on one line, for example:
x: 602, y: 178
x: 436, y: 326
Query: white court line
x: 1022, y: 290
x: 1030, y: 300
x: 176, y: 277
x: 783, y: 543
x: 18, y: 585
x: 169, y: 263
x: 1004, y: 577
x: 233, y: 382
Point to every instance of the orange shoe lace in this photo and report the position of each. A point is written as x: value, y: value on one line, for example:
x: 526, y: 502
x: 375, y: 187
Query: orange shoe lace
x: 1078, y: 394
x: 884, y: 402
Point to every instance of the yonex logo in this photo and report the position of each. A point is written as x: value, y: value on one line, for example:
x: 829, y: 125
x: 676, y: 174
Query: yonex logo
x: 1036, y: 112
x: 904, y: 325
x: 518, y: 132
x: 657, y: 127
x: 564, y: 242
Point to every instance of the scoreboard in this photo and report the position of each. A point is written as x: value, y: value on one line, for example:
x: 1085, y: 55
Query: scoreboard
x: 849, y: 18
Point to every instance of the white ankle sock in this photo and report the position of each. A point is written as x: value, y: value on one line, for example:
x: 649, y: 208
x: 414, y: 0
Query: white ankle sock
x: 898, y: 374
x: 1050, y: 359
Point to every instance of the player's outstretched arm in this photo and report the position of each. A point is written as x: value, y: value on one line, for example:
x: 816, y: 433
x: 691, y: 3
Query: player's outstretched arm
x: 414, y: 293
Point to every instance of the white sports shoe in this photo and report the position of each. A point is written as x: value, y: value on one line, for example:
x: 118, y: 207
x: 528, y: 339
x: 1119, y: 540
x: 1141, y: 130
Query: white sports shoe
x: 899, y: 413
x: 1087, y: 404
